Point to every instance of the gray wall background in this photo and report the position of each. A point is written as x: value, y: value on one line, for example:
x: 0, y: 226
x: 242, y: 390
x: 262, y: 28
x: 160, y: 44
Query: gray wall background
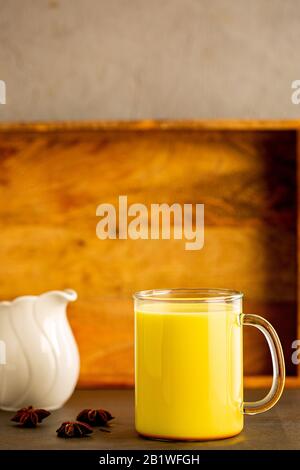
x: 134, y: 59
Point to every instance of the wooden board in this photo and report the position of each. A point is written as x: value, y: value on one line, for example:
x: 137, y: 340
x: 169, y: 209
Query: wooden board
x: 52, y: 179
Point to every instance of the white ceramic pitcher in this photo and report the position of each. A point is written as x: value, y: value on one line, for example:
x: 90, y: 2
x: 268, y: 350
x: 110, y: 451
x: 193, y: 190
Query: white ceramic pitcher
x: 40, y: 360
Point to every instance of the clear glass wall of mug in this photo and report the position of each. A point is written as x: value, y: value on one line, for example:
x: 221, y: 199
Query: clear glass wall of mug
x: 189, y: 364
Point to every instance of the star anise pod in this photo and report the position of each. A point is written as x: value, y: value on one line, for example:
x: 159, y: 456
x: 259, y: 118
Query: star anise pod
x: 95, y: 417
x: 74, y: 429
x: 30, y: 417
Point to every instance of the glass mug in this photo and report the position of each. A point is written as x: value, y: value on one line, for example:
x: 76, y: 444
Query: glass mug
x: 189, y: 364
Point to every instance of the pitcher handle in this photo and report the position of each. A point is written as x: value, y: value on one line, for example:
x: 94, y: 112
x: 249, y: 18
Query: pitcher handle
x: 260, y: 406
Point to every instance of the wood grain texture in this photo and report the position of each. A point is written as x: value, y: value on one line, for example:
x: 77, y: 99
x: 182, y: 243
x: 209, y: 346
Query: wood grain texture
x: 51, y: 182
x: 265, y: 381
x: 150, y: 125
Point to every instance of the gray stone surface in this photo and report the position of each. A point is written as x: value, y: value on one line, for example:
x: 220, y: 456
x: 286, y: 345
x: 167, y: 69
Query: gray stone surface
x: 279, y: 428
x: 133, y: 59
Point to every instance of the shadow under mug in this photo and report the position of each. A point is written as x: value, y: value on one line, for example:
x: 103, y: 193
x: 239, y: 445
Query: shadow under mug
x: 189, y: 364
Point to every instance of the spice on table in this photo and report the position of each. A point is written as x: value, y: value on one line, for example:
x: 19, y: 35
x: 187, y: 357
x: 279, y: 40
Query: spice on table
x: 74, y: 429
x: 29, y: 417
x: 95, y: 417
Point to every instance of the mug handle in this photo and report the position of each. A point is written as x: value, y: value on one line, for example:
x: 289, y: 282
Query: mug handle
x: 260, y: 406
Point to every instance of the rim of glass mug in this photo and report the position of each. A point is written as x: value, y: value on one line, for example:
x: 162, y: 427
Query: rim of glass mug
x: 189, y: 295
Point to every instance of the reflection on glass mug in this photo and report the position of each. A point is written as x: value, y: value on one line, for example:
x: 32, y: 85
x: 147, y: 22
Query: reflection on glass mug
x: 189, y: 364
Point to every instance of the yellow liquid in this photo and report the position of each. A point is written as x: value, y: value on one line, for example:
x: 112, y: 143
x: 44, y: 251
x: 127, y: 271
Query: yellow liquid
x: 189, y: 371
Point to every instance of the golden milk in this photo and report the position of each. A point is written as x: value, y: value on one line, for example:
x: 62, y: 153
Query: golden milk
x: 188, y: 370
